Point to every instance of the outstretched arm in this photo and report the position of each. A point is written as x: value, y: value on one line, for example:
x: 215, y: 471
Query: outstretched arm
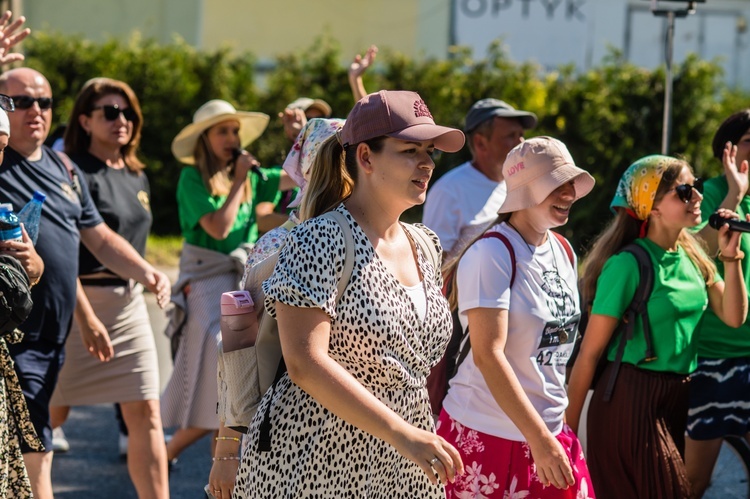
x: 357, y: 68
x: 737, y: 180
x: 595, y: 340
x: 728, y: 299
x: 119, y: 256
x: 488, y: 331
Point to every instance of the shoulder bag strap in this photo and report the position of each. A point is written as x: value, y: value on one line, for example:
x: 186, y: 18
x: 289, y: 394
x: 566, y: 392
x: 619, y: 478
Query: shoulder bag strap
x: 346, y: 274
x: 425, y: 243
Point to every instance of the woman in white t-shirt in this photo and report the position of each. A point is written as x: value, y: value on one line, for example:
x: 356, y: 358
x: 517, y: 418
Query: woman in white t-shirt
x: 517, y: 294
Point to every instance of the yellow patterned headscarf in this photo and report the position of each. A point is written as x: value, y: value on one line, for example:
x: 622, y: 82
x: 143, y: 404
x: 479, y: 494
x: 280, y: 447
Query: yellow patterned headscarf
x: 637, y: 187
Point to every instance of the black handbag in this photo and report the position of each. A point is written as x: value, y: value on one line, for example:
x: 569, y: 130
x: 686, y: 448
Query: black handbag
x: 15, y: 294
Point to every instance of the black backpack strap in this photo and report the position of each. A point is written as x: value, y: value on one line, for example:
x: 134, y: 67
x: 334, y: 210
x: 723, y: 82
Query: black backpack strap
x: 638, y: 308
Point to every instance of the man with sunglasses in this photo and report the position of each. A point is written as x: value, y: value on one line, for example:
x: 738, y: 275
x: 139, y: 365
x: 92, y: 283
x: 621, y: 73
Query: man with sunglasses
x: 69, y: 217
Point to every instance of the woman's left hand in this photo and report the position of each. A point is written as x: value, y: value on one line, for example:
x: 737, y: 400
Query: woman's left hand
x: 729, y: 240
x: 222, y: 477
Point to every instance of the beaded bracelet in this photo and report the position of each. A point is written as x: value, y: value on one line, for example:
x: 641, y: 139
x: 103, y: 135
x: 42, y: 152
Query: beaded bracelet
x: 739, y: 256
x: 226, y: 458
x: 228, y: 438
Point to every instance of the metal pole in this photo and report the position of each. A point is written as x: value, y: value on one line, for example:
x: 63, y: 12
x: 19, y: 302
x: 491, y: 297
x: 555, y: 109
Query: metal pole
x: 667, y: 122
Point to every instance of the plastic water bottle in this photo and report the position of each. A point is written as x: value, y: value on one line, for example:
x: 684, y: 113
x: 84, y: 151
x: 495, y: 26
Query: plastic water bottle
x: 31, y: 214
x: 10, y: 228
x: 239, y: 323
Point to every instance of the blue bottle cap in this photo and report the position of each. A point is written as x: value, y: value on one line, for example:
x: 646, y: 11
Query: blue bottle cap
x: 39, y: 196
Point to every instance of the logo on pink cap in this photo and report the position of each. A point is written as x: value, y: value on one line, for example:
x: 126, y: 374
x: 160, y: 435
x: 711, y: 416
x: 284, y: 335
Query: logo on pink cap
x: 420, y: 109
x: 516, y: 168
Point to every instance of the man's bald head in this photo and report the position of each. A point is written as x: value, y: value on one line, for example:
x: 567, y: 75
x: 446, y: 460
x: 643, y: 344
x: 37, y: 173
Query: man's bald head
x: 29, y: 127
x: 23, y: 75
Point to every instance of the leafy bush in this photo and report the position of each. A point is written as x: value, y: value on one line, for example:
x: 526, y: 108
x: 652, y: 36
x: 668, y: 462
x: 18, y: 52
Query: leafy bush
x: 608, y: 116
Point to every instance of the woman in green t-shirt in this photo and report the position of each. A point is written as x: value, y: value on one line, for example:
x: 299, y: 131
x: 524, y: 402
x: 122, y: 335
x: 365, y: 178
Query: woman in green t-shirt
x: 216, y: 198
x: 720, y: 385
x: 636, y: 439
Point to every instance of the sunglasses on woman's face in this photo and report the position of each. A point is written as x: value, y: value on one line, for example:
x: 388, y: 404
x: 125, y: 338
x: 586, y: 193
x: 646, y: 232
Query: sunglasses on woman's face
x: 6, y: 103
x: 685, y: 191
x: 111, y: 113
x: 26, y: 101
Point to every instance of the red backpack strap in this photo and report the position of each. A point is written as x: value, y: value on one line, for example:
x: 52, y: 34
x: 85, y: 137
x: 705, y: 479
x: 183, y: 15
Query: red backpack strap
x: 509, y: 247
x: 566, y: 247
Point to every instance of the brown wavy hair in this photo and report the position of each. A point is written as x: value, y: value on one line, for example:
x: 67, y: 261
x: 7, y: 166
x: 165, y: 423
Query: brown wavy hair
x: 76, y: 139
x: 624, y: 229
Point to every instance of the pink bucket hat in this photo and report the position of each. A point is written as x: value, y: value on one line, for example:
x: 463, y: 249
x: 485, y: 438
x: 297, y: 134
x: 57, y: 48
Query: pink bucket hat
x: 399, y: 114
x: 535, y: 168
x: 302, y: 154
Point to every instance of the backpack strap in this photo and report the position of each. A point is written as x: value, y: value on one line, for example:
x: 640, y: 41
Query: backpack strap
x: 566, y: 246
x: 427, y: 245
x: 638, y: 308
x: 465, y: 338
x: 71, y: 172
x: 504, y: 239
x: 264, y: 436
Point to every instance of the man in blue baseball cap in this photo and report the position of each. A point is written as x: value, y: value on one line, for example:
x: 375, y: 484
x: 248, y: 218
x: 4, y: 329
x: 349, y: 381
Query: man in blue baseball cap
x: 463, y: 201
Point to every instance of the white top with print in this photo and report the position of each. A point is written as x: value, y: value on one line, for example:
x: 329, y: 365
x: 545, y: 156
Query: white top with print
x: 542, y: 324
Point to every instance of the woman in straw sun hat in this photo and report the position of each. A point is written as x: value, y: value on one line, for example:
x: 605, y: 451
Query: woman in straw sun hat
x: 216, y: 197
x: 517, y: 293
x: 636, y: 439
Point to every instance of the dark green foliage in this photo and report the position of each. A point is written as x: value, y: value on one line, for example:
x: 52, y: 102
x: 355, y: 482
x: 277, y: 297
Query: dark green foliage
x: 608, y: 116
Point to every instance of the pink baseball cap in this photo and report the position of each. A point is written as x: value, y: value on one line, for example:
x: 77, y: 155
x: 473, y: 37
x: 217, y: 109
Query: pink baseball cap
x: 399, y: 114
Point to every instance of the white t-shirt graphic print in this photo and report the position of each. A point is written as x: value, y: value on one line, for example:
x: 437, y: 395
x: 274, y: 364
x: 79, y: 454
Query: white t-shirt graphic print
x: 542, y: 325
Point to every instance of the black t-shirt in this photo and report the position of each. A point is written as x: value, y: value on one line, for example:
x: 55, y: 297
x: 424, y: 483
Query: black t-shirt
x: 64, y: 212
x: 123, y: 200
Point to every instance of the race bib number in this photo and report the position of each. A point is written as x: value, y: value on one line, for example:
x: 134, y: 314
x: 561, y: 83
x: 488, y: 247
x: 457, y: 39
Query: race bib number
x: 555, y: 334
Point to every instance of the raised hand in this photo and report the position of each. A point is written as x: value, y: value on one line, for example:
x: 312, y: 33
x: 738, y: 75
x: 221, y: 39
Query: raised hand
x: 359, y: 65
x: 737, y: 177
x: 10, y: 36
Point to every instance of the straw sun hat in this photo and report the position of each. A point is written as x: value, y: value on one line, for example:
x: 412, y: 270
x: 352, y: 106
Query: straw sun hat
x: 209, y: 114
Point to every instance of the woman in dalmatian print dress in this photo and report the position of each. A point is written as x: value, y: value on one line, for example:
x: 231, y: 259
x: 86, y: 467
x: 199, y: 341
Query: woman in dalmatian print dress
x: 351, y: 417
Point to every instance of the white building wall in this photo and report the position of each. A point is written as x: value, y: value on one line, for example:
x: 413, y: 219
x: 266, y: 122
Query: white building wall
x: 580, y: 32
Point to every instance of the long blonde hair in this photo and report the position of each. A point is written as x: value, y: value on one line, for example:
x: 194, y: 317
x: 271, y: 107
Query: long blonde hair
x: 624, y: 229
x: 332, y: 176
x: 216, y: 177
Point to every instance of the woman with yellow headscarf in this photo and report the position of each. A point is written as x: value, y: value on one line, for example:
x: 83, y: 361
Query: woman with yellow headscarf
x: 636, y: 439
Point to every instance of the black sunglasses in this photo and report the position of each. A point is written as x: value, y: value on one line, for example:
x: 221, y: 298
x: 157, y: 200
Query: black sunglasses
x: 111, y: 113
x: 25, y: 101
x: 685, y: 191
x: 6, y: 103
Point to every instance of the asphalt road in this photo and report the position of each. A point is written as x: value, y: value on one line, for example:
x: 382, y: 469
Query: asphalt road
x: 93, y: 468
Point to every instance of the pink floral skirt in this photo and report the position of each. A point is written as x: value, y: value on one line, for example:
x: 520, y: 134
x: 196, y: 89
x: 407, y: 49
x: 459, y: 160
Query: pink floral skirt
x: 496, y: 467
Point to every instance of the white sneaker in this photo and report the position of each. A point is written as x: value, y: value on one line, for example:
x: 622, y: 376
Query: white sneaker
x: 59, y: 442
x: 122, y: 445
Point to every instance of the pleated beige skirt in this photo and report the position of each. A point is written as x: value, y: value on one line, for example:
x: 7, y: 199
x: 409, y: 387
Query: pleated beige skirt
x: 132, y: 374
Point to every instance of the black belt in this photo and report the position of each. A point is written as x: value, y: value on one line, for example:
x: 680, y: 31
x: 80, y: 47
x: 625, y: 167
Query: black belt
x: 105, y: 281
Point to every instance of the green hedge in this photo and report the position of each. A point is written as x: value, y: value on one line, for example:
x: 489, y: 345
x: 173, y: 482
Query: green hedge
x: 607, y: 116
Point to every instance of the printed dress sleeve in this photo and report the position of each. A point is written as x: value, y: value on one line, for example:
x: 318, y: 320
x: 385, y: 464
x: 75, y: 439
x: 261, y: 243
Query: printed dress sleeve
x: 309, y: 268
